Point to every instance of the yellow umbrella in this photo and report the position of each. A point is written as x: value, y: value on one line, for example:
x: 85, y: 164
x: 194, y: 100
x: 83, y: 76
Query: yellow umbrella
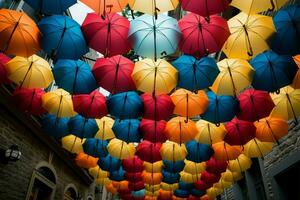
x: 152, y: 194
x: 255, y: 148
x: 189, y: 178
x: 241, y: 164
x: 249, y: 35
x: 105, y: 131
x: 72, y: 143
x: 172, y: 151
x: 32, y: 72
x: 257, y: 6
x: 209, y: 133
x: 214, y: 192
x: 287, y: 103
x: 169, y: 187
x: 97, y: 172
x: 103, y: 181
x: 59, y: 103
x: 120, y: 149
x: 154, y: 77
x: 230, y: 176
x: 193, y: 167
x: 235, y: 75
x: 152, y: 188
x: 222, y: 184
x: 153, y: 6
x: 153, y: 167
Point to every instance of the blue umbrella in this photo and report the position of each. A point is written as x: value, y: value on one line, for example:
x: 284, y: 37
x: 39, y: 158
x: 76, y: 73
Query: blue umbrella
x: 185, y: 186
x: 50, y: 7
x: 127, y: 130
x: 74, y: 76
x: 173, y: 167
x: 62, y: 37
x: 95, y: 147
x: 273, y: 71
x: 109, y: 163
x: 220, y: 108
x: 197, y: 193
x: 56, y: 127
x: 125, y: 105
x: 118, y: 175
x: 198, y: 152
x: 170, y: 178
x: 196, y: 74
x: 83, y: 127
x: 181, y: 193
x: 287, y: 24
x: 139, y: 193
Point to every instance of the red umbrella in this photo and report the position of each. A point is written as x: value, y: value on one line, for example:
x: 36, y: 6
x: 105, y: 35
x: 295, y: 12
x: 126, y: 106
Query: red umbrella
x: 107, y: 36
x: 200, y: 37
x: 216, y: 166
x: 29, y: 100
x: 153, y: 131
x: 136, y: 186
x: 126, y: 196
x: 191, y: 197
x: 124, y: 192
x: 205, y: 7
x: 91, y: 105
x: 133, y: 165
x: 239, y: 132
x: 210, y: 177
x: 159, y: 107
x: 201, y: 185
x: 134, y: 177
x: 3, y: 60
x: 254, y: 105
x: 148, y: 151
x: 114, y: 74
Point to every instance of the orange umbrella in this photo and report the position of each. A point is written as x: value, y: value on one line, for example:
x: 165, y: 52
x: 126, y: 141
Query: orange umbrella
x: 180, y: 131
x: 19, y: 34
x: 164, y: 194
x: 110, y: 188
x: 103, y: 7
x: 209, y: 133
x: 152, y: 178
x: 225, y: 152
x: 296, y: 81
x: 122, y: 185
x: 86, y: 161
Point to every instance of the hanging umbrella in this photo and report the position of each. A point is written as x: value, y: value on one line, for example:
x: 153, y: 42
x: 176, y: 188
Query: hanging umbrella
x: 104, y: 7
x: 18, y: 32
x: 134, y: 177
x: 114, y: 74
x: 193, y: 167
x: 127, y: 130
x: 59, y: 103
x: 164, y: 195
x: 126, y: 105
x: 72, y: 144
x: 295, y: 84
x: 153, y: 167
x: 196, y: 194
x: 3, y: 75
x: 97, y: 172
x: 56, y: 127
x: 133, y: 165
x: 139, y: 193
x: 29, y: 100
x: 249, y: 35
x: 213, y: 192
x: 172, y: 151
x: 258, y: 6
x: 188, y: 178
x: 155, y: 77
x: 170, y: 178
x: 85, y: 161
x: 149, y: 152
x: 152, y: 187
x: 240, y: 164
x: 220, y: 108
x: 110, y: 188
x: 61, y: 33
x: 198, y: 152
x: 74, y: 76
x: 109, y: 163
x: 235, y: 75
x: 173, y: 166
x: 201, y: 37
x: 105, y: 131
x: 51, y: 7
x: 31, y: 72
x: 107, y: 35
x: 181, y: 193
x: 209, y: 133
x: 154, y: 195
x: 83, y: 127
x: 201, y: 185
x: 120, y: 185
x: 153, y: 6
x: 226, y: 152
x: 185, y: 185
x: 254, y: 105
x: 95, y: 147
x: 230, y: 176
x: 216, y: 166
x: 103, y: 181
x: 180, y: 131
x: 208, y: 177
x: 195, y: 74
x: 255, y: 148
x: 152, y: 178
x: 273, y: 71
x: 154, y: 38
x: 153, y: 131
x: 118, y: 175
x: 120, y: 149
x: 136, y: 186
x: 169, y: 187
x: 271, y: 129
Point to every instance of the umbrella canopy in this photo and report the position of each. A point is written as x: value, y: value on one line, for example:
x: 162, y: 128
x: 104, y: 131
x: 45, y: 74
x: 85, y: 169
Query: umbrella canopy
x: 173, y: 166
x: 103, y: 181
x: 85, y: 161
x: 198, y: 152
x: 235, y: 75
x: 201, y: 37
x: 170, y: 178
x: 91, y: 105
x: 114, y: 74
x: 226, y: 152
x: 258, y: 6
x: 153, y: 131
x: 136, y: 186
x: 172, y: 151
x: 149, y: 152
x: 72, y: 144
x: 152, y: 187
x: 255, y: 148
x: 254, y: 105
x: 107, y: 35
x: 216, y: 166
x: 208, y: 177
x: 134, y: 177
x: 29, y: 100
x: 240, y: 164
x: 295, y: 84
x: 109, y: 163
x: 169, y: 187
x: 18, y: 32
x: 154, y: 38
x: 31, y: 72
x: 139, y: 193
x: 154, y: 6
x: 61, y: 33
x: 214, y: 192
x: 152, y: 178
x: 195, y: 74
x: 181, y: 193
x: 56, y: 127
x: 127, y: 130
x: 133, y: 165
x: 209, y: 133
x: 59, y: 103
x: 105, y: 131
x: 220, y: 108
x: 51, y: 7
x: 230, y: 176
x: 104, y: 7
x: 110, y: 188
x: 3, y: 75
x: 120, y: 149
x: 97, y: 172
x: 188, y: 178
x: 196, y: 194
x: 185, y: 185
x: 193, y: 167
x: 157, y: 77
x: 95, y: 147
x: 125, y: 105
x: 249, y: 35
x: 153, y: 167
x: 189, y: 104
x: 201, y: 185
x: 118, y: 175
x: 83, y: 127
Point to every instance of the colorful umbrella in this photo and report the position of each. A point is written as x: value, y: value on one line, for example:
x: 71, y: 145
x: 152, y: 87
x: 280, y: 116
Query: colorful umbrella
x: 258, y: 6
x: 152, y: 187
x: 273, y: 71
x: 17, y: 33
x: 85, y: 161
x: 103, y: 7
x: 109, y: 163
x: 51, y: 7
x: 209, y: 133
x: 169, y: 187
x: 230, y: 176
x: 193, y: 167
x: 136, y: 185
x: 181, y: 193
x: 103, y: 181
x: 133, y: 165
x: 118, y: 175
x: 72, y: 144
x: 105, y: 131
x: 3, y: 75
x: 216, y: 166
x: 201, y: 185
x: 97, y: 172
x: 185, y: 185
x: 195, y: 194
x: 110, y: 188
x: 114, y: 74
x: 295, y: 84
x: 201, y: 37
x: 83, y: 127
x: 56, y: 127
x: 172, y: 151
x: 153, y: 131
x: 154, y: 6
x: 188, y: 178
x: 208, y: 177
x: 120, y: 149
x: 198, y: 152
x: 149, y: 152
x: 240, y: 164
x: 140, y: 193
x: 195, y: 74
x: 153, y: 167
x: 127, y: 130
x: 173, y: 166
x: 152, y: 178
x: 95, y: 147
x: 249, y: 35
x: 170, y: 178
x: 61, y: 33
x: 225, y: 152
x: 255, y: 148
x: 134, y: 177
x: 213, y: 192
x: 31, y: 72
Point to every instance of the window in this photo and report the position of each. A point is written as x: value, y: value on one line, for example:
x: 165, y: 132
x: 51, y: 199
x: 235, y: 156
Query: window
x: 70, y: 193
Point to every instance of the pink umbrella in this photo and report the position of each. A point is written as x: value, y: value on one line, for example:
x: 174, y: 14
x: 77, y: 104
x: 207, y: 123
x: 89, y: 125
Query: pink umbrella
x: 3, y: 60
